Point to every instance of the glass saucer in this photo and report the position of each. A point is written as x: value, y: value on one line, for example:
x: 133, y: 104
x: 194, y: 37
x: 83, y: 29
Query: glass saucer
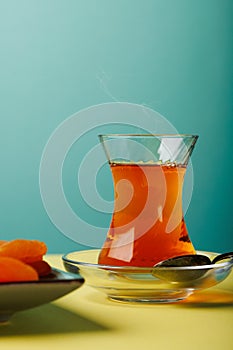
x: 145, y: 284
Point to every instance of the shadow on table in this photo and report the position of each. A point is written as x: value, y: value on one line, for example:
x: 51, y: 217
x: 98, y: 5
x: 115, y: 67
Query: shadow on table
x: 209, y: 299
x: 48, y: 319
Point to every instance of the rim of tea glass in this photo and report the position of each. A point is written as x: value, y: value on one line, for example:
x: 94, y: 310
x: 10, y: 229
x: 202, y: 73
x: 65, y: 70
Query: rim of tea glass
x: 66, y: 259
x: 150, y: 135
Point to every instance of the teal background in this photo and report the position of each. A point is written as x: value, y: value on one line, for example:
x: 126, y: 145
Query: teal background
x: 60, y: 56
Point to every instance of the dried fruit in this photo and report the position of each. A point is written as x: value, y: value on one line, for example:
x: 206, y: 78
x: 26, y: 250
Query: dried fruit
x: 14, y: 270
x: 27, y: 251
x: 21, y: 260
x: 42, y: 267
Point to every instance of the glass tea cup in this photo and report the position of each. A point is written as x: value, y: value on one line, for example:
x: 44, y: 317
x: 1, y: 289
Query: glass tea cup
x: 147, y: 223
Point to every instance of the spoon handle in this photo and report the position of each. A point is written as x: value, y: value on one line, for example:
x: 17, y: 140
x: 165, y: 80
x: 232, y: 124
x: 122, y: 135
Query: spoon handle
x: 223, y: 257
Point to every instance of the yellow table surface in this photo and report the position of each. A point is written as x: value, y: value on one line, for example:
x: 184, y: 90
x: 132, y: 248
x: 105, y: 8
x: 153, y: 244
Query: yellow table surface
x: 86, y: 319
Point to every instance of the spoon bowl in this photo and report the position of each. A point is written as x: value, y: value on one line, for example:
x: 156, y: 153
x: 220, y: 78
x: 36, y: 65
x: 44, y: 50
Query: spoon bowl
x: 186, y: 268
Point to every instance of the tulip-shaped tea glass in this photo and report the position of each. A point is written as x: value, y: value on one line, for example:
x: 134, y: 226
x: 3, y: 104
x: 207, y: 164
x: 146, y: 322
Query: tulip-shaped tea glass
x: 147, y: 223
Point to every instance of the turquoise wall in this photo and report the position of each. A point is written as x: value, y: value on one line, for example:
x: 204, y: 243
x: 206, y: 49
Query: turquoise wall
x: 60, y: 56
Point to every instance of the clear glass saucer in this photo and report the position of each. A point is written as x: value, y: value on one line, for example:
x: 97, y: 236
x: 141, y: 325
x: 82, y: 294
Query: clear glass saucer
x: 145, y: 284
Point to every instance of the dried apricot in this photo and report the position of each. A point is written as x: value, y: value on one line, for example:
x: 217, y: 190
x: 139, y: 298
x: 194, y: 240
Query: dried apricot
x: 25, y: 250
x: 42, y: 267
x: 14, y: 270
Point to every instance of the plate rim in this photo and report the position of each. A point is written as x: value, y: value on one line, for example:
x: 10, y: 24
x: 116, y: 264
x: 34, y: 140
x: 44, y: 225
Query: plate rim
x: 49, y: 280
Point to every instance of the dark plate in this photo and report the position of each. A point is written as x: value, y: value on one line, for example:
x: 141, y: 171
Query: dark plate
x: 18, y: 296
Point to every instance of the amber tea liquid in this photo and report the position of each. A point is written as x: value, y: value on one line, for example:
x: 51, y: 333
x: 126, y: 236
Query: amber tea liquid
x: 147, y: 224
